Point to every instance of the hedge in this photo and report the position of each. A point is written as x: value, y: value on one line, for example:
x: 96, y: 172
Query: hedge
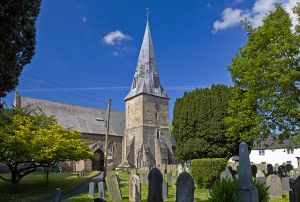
x: 207, y: 171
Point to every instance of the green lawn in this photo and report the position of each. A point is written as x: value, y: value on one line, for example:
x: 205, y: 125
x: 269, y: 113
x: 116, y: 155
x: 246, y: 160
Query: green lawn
x: 34, y: 186
x: 200, y: 194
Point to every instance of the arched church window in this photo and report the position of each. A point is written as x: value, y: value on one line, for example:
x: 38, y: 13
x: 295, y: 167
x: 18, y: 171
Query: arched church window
x: 111, y: 147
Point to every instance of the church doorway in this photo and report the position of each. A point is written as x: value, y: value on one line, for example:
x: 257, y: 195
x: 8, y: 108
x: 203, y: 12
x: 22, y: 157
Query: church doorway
x: 98, y: 163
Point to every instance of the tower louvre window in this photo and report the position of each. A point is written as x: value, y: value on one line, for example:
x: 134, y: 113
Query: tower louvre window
x: 157, y: 133
x: 156, y: 115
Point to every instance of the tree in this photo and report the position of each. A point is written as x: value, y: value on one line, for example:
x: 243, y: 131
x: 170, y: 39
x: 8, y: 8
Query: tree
x: 17, y: 39
x: 198, y: 124
x: 31, y: 141
x: 266, y: 75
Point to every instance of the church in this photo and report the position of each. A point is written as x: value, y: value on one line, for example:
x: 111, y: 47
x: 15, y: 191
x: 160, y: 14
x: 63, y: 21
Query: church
x: 141, y: 134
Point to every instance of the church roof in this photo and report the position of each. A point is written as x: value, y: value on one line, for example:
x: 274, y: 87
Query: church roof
x: 82, y: 119
x: 146, y: 79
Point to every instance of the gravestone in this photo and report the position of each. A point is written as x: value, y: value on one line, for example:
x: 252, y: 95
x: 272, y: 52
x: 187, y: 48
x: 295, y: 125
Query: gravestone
x: 91, y: 189
x: 226, y: 175
x: 134, y: 188
x: 275, y: 186
x: 169, y: 177
x: 295, y: 190
x: 164, y: 167
x: 260, y: 174
x: 173, y: 181
x: 155, y: 179
x: 113, y: 188
x: 261, y: 180
x: 285, y: 183
x: 57, y: 195
x: 169, y: 168
x: 179, y: 169
x: 133, y: 171
x: 174, y: 170
x: 270, y: 169
x: 165, y: 192
x: 276, y: 167
x: 289, y: 168
x: 185, y: 188
x: 253, y: 170
x: 101, y: 190
x: 246, y: 191
x: 144, y: 172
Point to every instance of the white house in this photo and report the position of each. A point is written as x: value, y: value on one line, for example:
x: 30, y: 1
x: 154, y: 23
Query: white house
x: 280, y: 156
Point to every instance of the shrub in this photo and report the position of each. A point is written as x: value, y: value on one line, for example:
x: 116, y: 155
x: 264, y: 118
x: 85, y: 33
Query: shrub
x: 224, y: 191
x: 207, y: 171
x: 262, y: 191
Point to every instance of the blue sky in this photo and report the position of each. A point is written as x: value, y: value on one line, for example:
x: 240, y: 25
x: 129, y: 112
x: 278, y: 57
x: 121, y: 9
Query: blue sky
x: 93, y: 45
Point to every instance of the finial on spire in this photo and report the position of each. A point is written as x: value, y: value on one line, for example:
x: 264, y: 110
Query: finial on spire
x: 147, y: 13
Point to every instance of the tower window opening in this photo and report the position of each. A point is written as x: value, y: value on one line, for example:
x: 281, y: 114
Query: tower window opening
x: 157, y: 133
x: 134, y: 83
x: 156, y: 115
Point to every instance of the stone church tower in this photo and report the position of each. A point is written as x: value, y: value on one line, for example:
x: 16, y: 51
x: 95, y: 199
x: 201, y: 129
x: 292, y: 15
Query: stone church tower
x: 147, y: 137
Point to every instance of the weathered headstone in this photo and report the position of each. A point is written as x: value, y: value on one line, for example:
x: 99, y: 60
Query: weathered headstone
x: 246, y: 191
x: 134, y: 188
x: 270, y: 169
x: 91, y: 189
x: 155, y: 179
x: 113, y: 188
x: 179, y: 169
x: 165, y: 192
x: 275, y: 186
x: 295, y: 190
x: 174, y: 170
x: 133, y: 171
x: 226, y: 175
x: 57, y: 195
x: 101, y: 190
x: 185, y: 188
x: 261, y: 180
x: 285, y: 183
x: 144, y: 172
x: 169, y: 168
x: 260, y: 174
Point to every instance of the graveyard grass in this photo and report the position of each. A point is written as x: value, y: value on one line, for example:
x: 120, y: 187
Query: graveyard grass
x: 200, y: 194
x: 34, y: 186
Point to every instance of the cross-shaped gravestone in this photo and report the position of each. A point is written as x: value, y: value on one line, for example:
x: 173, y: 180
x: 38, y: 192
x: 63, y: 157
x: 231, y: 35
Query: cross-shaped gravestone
x: 134, y: 188
x: 185, y: 188
x: 155, y: 179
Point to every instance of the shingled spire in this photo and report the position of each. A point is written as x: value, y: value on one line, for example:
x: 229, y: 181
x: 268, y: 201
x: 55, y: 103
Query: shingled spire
x: 146, y: 79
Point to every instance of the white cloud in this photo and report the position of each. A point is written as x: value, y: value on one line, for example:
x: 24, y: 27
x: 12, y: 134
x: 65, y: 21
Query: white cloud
x: 231, y: 17
x: 116, y: 53
x: 115, y: 37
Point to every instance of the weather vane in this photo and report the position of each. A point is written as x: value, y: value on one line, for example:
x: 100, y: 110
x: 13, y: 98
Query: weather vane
x: 147, y: 12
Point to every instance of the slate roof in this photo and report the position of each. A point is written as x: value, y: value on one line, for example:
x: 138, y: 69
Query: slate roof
x: 146, y: 78
x: 82, y: 119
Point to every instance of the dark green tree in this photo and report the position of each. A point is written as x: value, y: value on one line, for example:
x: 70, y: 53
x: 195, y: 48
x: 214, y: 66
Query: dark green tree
x: 266, y: 75
x: 198, y: 124
x: 17, y: 39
